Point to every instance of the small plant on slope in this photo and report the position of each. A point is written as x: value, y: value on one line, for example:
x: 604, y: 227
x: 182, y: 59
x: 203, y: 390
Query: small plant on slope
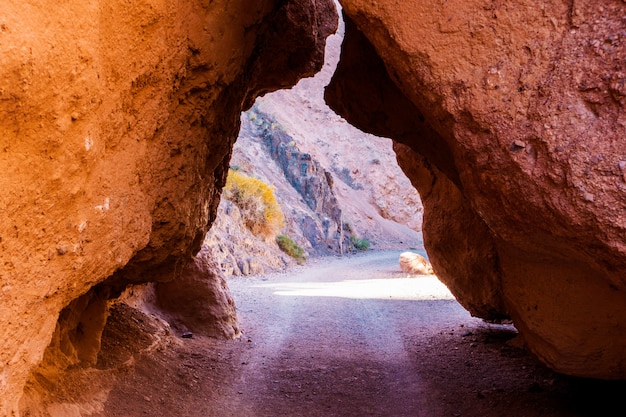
x: 360, y: 244
x: 291, y: 248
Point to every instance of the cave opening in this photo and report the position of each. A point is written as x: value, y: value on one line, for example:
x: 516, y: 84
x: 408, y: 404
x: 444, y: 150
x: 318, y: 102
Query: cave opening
x: 354, y: 358
x: 337, y: 189
x: 342, y: 196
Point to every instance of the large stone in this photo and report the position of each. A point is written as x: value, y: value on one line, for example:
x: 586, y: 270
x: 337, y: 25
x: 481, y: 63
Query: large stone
x: 414, y: 264
x: 118, y: 120
x: 198, y: 300
x: 515, y: 115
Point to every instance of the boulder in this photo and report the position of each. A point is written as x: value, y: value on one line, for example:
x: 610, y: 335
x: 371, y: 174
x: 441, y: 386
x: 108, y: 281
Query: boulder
x: 198, y: 301
x: 414, y: 264
x: 514, y: 118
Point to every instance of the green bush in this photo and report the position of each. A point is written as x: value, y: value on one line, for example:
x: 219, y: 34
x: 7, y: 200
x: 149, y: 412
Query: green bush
x: 360, y: 244
x: 260, y: 211
x: 291, y: 248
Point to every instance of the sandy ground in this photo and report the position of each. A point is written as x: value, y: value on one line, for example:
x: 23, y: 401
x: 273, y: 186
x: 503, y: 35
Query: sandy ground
x: 343, y: 337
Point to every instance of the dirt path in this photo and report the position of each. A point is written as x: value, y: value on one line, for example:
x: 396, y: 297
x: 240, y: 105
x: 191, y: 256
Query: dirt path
x: 352, y: 337
x: 330, y: 340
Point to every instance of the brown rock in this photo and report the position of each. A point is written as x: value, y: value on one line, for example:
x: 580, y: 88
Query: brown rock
x: 462, y: 249
x: 516, y: 114
x: 198, y: 300
x: 118, y: 120
x: 414, y: 264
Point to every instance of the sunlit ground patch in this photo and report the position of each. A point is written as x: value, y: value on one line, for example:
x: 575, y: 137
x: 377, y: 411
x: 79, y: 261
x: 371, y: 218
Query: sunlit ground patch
x: 422, y: 288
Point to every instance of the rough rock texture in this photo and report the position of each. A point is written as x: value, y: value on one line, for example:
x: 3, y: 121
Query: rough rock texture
x: 314, y: 184
x: 516, y: 110
x: 237, y: 250
x: 198, y: 301
x: 414, y: 264
x: 118, y: 120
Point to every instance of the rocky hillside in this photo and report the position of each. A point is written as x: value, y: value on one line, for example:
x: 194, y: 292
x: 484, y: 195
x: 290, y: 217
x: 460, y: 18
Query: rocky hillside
x: 337, y: 186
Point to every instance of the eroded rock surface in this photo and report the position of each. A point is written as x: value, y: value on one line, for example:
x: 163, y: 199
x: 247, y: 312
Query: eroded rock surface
x: 515, y: 116
x: 199, y: 301
x: 118, y: 120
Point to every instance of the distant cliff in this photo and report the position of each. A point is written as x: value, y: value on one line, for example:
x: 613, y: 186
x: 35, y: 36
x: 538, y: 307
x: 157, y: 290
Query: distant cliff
x: 308, y: 195
x: 309, y: 179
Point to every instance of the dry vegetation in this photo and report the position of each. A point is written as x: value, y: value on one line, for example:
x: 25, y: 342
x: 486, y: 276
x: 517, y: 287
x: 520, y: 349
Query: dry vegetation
x: 256, y: 201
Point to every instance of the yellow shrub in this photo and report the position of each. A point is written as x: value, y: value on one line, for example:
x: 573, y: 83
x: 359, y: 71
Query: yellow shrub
x: 259, y: 208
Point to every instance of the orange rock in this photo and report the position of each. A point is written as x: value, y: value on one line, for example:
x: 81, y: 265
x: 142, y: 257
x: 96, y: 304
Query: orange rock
x: 118, y: 120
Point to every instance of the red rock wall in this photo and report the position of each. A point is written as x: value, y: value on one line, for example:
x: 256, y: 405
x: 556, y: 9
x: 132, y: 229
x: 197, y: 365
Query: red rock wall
x: 118, y: 120
x: 516, y: 111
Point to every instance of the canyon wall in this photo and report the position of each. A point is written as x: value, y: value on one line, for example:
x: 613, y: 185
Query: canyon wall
x: 510, y: 121
x: 118, y: 120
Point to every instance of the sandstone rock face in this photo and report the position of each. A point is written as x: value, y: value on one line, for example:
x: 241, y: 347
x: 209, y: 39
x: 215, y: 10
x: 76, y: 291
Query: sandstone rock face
x: 515, y: 114
x: 118, y: 120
